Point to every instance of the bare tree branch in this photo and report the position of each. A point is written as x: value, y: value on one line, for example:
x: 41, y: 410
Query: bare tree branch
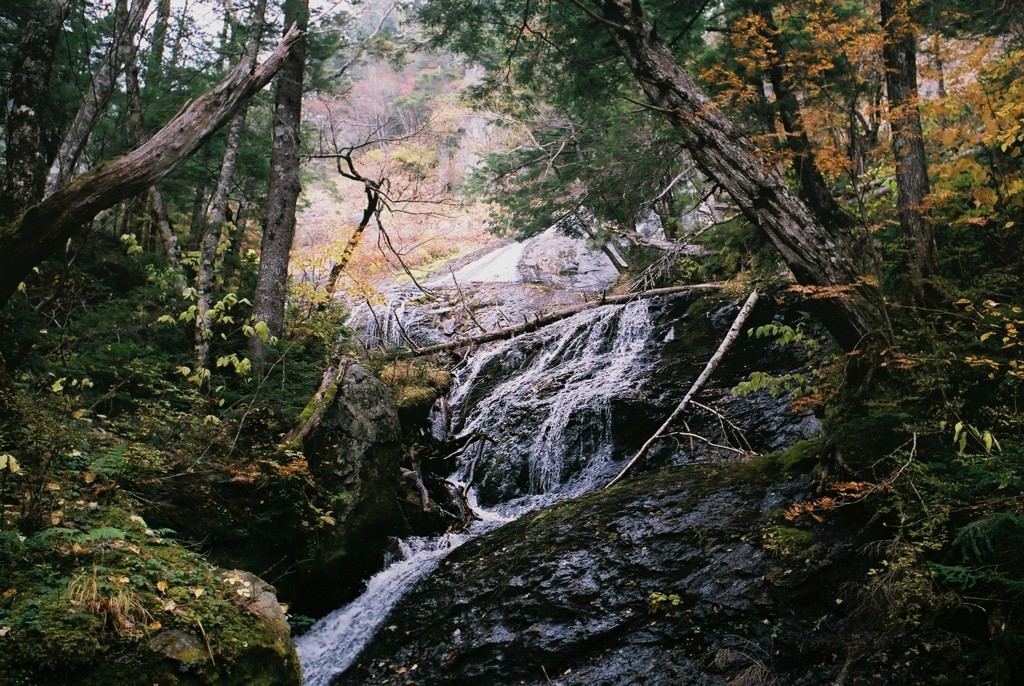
x: 709, y: 369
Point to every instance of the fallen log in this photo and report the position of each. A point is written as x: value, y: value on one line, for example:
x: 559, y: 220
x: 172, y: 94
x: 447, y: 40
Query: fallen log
x: 709, y: 369
x: 545, y: 319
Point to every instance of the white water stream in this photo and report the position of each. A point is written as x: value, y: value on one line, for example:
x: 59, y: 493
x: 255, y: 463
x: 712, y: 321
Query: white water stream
x: 544, y: 399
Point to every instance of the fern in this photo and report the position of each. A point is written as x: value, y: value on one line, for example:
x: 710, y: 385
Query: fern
x: 982, y: 539
x: 105, y: 533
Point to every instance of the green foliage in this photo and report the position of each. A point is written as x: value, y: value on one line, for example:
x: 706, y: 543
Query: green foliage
x: 661, y: 602
x: 796, y: 384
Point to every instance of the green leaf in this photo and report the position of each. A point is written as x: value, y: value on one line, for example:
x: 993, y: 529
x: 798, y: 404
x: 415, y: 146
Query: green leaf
x: 262, y: 330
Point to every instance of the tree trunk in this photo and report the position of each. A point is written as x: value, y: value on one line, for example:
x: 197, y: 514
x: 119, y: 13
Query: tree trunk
x: 899, y: 52
x: 25, y: 173
x: 372, y: 190
x: 819, y: 257
x: 43, y: 229
x: 155, y: 61
x: 126, y: 24
x: 216, y: 215
x: 166, y: 232
x: 283, y: 193
x: 137, y: 125
x: 811, y: 185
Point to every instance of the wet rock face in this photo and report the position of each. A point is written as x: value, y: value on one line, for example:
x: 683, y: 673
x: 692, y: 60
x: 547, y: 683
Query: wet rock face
x: 554, y: 259
x: 563, y: 408
x: 687, y: 576
x: 661, y: 581
x: 354, y: 455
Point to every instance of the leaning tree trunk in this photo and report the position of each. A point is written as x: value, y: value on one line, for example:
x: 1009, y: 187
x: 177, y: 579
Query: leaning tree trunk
x: 126, y: 25
x: 25, y: 173
x: 899, y: 53
x: 217, y: 214
x: 820, y: 258
x: 283, y: 193
x: 155, y: 60
x: 43, y: 229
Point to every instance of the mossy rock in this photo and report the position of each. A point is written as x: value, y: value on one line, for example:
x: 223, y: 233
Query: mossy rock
x: 110, y: 601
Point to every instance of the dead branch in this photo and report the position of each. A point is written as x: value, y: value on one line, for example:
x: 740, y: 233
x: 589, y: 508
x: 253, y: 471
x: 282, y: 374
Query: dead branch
x: 692, y: 436
x: 321, y: 400
x: 466, y: 307
x: 543, y: 320
x: 416, y: 477
x: 725, y: 423
x: 709, y: 368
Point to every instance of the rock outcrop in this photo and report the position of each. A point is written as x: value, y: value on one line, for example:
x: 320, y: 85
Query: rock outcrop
x: 353, y: 455
x: 689, y: 576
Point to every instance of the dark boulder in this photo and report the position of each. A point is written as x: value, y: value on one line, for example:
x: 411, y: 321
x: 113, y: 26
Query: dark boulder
x: 689, y: 576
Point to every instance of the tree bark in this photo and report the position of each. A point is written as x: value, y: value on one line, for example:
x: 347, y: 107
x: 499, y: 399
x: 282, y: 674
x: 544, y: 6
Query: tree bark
x: 155, y: 61
x: 44, y: 228
x: 899, y: 53
x: 216, y: 215
x: 126, y: 24
x: 819, y: 257
x: 25, y: 173
x: 283, y: 193
x: 811, y: 185
x: 136, y: 123
x: 372, y: 190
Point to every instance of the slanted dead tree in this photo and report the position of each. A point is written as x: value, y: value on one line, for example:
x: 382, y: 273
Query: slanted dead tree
x: 821, y: 258
x: 540, y: 321
x: 127, y: 23
x: 43, y: 229
x: 709, y: 369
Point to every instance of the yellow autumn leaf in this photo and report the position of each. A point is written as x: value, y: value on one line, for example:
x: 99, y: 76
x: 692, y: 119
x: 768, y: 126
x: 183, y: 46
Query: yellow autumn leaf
x: 196, y: 591
x: 161, y: 586
x: 155, y: 626
x: 8, y: 463
x: 8, y: 593
x: 985, y: 196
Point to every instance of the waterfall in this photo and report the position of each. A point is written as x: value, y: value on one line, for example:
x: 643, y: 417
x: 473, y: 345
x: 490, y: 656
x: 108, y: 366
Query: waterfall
x: 540, y: 405
x: 336, y: 640
x: 545, y: 402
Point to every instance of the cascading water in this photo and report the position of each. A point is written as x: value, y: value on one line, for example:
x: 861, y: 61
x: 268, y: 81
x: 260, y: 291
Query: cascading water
x: 535, y: 416
x: 335, y: 641
x: 545, y: 404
